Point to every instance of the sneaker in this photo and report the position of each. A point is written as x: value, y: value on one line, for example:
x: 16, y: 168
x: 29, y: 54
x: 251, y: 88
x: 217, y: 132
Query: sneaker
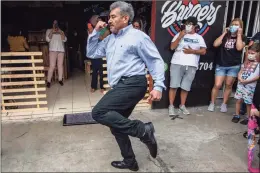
x: 211, y: 107
x: 223, y: 108
x: 244, y: 121
x: 235, y: 119
x: 184, y: 110
x: 172, y: 111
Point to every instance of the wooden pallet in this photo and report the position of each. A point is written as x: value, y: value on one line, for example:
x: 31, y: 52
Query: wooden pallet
x: 23, y: 89
x: 143, y: 103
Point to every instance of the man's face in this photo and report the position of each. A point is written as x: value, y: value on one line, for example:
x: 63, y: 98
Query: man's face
x: 117, y: 21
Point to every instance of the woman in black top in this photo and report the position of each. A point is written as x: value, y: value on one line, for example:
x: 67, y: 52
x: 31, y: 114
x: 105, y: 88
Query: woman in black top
x: 230, y: 44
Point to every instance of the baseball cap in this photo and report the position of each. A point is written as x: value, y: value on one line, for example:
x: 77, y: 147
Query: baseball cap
x: 190, y: 19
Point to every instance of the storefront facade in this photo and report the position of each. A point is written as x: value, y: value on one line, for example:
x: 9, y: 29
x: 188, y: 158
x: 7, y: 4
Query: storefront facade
x: 213, y: 17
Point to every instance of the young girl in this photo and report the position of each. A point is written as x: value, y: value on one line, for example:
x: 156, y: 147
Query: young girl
x: 247, y: 77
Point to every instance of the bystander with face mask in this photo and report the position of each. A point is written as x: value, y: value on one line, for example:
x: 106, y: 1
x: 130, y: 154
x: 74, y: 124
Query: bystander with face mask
x: 230, y: 45
x: 188, y: 47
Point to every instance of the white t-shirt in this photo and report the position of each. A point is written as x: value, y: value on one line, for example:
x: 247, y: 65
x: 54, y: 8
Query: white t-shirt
x: 194, y: 41
x: 55, y: 43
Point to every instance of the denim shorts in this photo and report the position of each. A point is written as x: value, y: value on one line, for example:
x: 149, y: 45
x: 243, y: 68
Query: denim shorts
x: 227, y: 71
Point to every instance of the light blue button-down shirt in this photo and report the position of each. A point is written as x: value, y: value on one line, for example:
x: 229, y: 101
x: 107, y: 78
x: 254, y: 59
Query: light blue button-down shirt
x: 127, y: 53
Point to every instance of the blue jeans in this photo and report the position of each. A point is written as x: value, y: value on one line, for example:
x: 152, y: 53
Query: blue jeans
x: 227, y: 71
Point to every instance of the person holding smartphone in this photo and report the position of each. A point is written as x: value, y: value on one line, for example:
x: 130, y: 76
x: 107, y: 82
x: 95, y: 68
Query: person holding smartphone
x: 56, y: 39
x: 188, y: 46
x: 230, y: 45
x: 127, y: 52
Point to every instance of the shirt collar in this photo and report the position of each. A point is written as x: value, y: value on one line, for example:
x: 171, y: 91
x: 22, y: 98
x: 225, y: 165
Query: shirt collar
x: 125, y: 29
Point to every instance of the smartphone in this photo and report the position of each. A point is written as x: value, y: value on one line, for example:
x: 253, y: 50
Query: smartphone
x: 182, y: 27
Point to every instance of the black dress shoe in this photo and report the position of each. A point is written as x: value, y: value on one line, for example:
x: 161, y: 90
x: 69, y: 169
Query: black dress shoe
x: 123, y: 165
x: 149, y: 140
x: 61, y: 83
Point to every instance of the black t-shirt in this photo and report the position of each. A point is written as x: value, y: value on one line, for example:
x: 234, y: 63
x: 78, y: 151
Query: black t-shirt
x: 228, y: 55
x: 256, y: 38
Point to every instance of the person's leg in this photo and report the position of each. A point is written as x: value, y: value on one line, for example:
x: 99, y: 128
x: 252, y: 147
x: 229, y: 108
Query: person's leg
x: 228, y: 88
x: 52, y: 58
x: 110, y: 110
x: 231, y: 77
x: 172, y: 95
x: 220, y: 75
x: 124, y: 142
x: 248, y: 99
x: 94, y: 79
x: 248, y: 109
x: 238, y: 105
x: 240, y: 99
x: 176, y: 75
x: 126, y: 94
x: 184, y: 95
x: 217, y: 85
x: 100, y: 72
x: 60, y: 65
x: 236, y: 117
x: 186, y: 86
x: 243, y: 109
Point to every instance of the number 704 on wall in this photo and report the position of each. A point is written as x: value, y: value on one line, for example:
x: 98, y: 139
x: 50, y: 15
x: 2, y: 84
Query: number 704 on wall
x: 205, y: 66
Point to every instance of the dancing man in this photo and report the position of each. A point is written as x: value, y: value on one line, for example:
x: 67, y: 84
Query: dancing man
x: 128, y: 51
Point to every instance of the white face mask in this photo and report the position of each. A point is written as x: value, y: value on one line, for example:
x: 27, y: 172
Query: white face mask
x: 251, y: 57
x: 188, y: 28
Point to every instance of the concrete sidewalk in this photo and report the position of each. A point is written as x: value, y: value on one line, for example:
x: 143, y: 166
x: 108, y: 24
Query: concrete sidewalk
x: 202, y: 141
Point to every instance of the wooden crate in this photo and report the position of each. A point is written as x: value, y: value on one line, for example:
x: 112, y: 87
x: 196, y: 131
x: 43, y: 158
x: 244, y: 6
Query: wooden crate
x: 23, y: 89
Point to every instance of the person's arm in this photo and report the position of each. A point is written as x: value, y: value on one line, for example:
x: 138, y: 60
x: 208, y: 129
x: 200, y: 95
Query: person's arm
x: 176, y: 40
x: 96, y: 49
x: 63, y: 36
x: 240, y: 44
x: 219, y: 40
x: 90, y: 28
x: 252, y: 80
x: 201, y: 51
x: 49, y: 33
x: 239, y: 74
x: 153, y: 60
x: 251, y: 43
x: 255, y: 78
x: 255, y: 37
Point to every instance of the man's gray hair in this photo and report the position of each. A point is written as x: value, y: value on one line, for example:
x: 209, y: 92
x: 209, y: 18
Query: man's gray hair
x: 125, y: 9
